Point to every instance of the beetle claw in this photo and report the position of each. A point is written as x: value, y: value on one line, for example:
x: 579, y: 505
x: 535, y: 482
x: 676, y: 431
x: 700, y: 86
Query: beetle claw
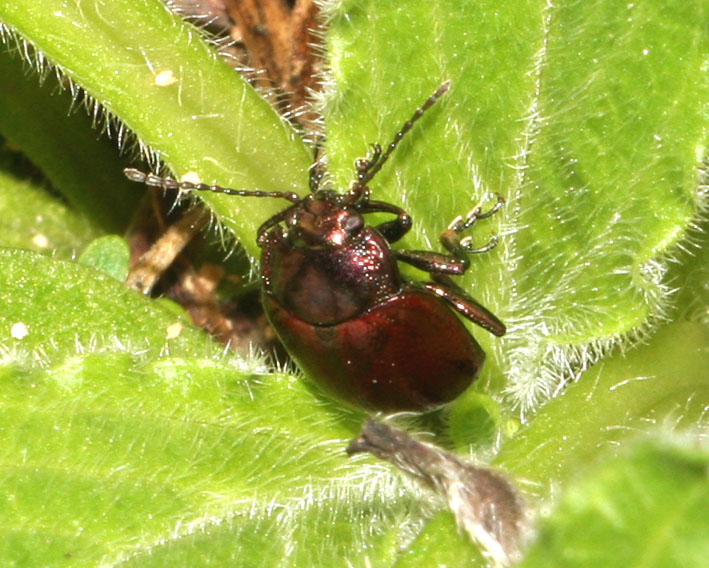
x: 494, y: 209
x: 467, y: 244
x: 459, y: 224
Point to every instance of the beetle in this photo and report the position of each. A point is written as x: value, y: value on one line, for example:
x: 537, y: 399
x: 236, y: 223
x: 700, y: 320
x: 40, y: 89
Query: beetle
x: 333, y: 292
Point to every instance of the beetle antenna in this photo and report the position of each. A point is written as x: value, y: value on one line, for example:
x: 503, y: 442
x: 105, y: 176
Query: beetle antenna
x: 316, y: 168
x: 151, y: 180
x: 367, y: 170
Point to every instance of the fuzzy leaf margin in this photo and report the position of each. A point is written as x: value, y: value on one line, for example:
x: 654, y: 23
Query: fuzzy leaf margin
x: 530, y: 122
x: 153, y: 71
x: 131, y: 439
x: 589, y: 118
x: 648, y: 507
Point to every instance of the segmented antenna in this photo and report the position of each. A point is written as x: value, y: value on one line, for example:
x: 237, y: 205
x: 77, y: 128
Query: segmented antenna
x: 365, y: 174
x: 152, y: 180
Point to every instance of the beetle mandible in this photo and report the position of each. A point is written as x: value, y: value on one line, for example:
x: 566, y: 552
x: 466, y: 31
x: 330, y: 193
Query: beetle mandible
x: 333, y: 292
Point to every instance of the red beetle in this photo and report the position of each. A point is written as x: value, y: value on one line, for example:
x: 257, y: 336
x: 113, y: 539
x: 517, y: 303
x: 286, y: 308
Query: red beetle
x: 333, y: 292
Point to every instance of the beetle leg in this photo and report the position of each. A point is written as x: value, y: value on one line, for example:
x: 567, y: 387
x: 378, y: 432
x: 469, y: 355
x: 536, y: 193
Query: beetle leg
x: 442, y: 266
x: 461, y: 248
x: 392, y: 231
x: 359, y: 192
x: 457, y: 262
x: 262, y: 232
x: 433, y: 262
x: 464, y: 304
x: 363, y: 165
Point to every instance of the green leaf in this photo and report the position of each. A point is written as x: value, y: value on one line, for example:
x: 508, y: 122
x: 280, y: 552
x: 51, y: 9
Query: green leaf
x: 110, y: 255
x: 661, y: 382
x: 590, y: 118
x: 37, y: 119
x: 647, y: 508
x: 67, y: 308
x: 32, y: 219
x: 440, y: 544
x: 554, y: 128
x: 150, y: 69
x: 122, y: 445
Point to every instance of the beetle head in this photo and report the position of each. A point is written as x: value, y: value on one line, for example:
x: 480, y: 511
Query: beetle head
x: 323, y: 220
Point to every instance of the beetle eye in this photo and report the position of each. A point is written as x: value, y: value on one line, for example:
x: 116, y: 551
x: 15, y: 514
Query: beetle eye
x: 353, y: 223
